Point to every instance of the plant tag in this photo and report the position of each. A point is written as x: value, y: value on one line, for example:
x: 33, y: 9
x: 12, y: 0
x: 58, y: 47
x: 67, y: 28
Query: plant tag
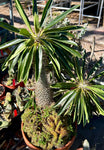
x: 14, y: 82
x: 1, y: 52
x: 15, y: 113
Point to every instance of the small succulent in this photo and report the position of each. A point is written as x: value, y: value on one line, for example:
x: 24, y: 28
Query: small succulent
x: 22, y: 95
x: 30, y: 84
x: 6, y: 111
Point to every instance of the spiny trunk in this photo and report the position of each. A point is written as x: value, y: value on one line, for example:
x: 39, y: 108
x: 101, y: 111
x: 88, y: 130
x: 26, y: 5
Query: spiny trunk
x: 43, y: 92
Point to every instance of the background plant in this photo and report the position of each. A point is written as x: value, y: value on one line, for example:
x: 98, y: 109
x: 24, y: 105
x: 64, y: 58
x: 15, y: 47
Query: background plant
x: 81, y: 94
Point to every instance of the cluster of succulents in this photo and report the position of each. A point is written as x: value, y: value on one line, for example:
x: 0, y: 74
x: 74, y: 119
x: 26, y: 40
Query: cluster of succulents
x: 46, y: 128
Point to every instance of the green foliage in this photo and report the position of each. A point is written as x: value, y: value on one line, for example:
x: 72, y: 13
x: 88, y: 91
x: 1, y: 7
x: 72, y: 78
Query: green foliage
x: 46, y: 128
x: 45, y: 38
x: 81, y: 94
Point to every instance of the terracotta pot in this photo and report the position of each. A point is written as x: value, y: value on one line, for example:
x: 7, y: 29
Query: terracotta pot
x: 3, y: 93
x: 66, y: 147
x: 12, y: 87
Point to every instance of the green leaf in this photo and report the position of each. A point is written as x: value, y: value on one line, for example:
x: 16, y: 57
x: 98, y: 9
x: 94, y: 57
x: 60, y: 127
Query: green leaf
x: 60, y: 17
x: 5, y: 64
x: 25, y: 32
x: 19, y: 49
x: 95, y: 100
x: 45, y: 11
x: 63, y: 98
x: 11, y: 43
x: 48, y: 45
x: 38, y: 62
x: 23, y: 14
x: 77, y: 68
x: 24, y: 65
x: 9, y: 27
x: 70, y: 50
x: 63, y: 29
x: 67, y: 104
x: 82, y: 108
x: 97, y: 91
x: 56, y: 35
x: 13, y: 63
x: 36, y: 23
x: 54, y: 58
x: 63, y: 85
x: 55, y: 63
x: 85, y: 110
x: 98, y: 86
x: 64, y: 60
x: 28, y: 64
x: 65, y: 41
x: 34, y: 2
x: 20, y: 65
x: 55, y: 67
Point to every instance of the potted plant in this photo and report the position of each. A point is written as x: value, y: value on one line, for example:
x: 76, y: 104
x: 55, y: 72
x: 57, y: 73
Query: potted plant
x: 38, y: 48
x: 82, y: 93
x: 10, y: 80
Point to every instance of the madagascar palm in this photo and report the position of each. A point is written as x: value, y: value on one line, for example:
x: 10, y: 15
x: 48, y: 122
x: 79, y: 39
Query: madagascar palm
x: 38, y: 45
x: 81, y: 94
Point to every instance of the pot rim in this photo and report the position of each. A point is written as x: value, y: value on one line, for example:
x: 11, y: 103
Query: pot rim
x: 66, y: 147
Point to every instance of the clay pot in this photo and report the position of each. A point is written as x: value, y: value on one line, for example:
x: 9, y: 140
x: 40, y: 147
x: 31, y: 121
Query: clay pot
x: 3, y: 92
x: 66, y: 147
x: 12, y: 87
x: 21, y: 84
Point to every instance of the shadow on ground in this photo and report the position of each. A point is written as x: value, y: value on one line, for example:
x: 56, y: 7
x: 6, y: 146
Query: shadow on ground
x: 93, y: 132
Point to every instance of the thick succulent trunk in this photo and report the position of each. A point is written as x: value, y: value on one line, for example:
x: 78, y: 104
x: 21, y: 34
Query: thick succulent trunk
x: 43, y: 92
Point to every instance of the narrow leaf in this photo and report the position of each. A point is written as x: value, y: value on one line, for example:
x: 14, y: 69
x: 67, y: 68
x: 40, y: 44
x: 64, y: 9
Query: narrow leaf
x: 70, y: 50
x: 60, y: 17
x: 11, y: 43
x: 36, y: 23
x: 64, y: 98
x: 19, y: 49
x: 63, y: 85
x: 9, y: 27
x: 95, y: 100
x: 66, y: 105
x: 25, y: 32
x: 23, y: 14
x: 63, y: 29
x: 5, y: 64
x: 65, y: 41
x: 45, y: 11
x: 34, y: 2
x: 38, y: 62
